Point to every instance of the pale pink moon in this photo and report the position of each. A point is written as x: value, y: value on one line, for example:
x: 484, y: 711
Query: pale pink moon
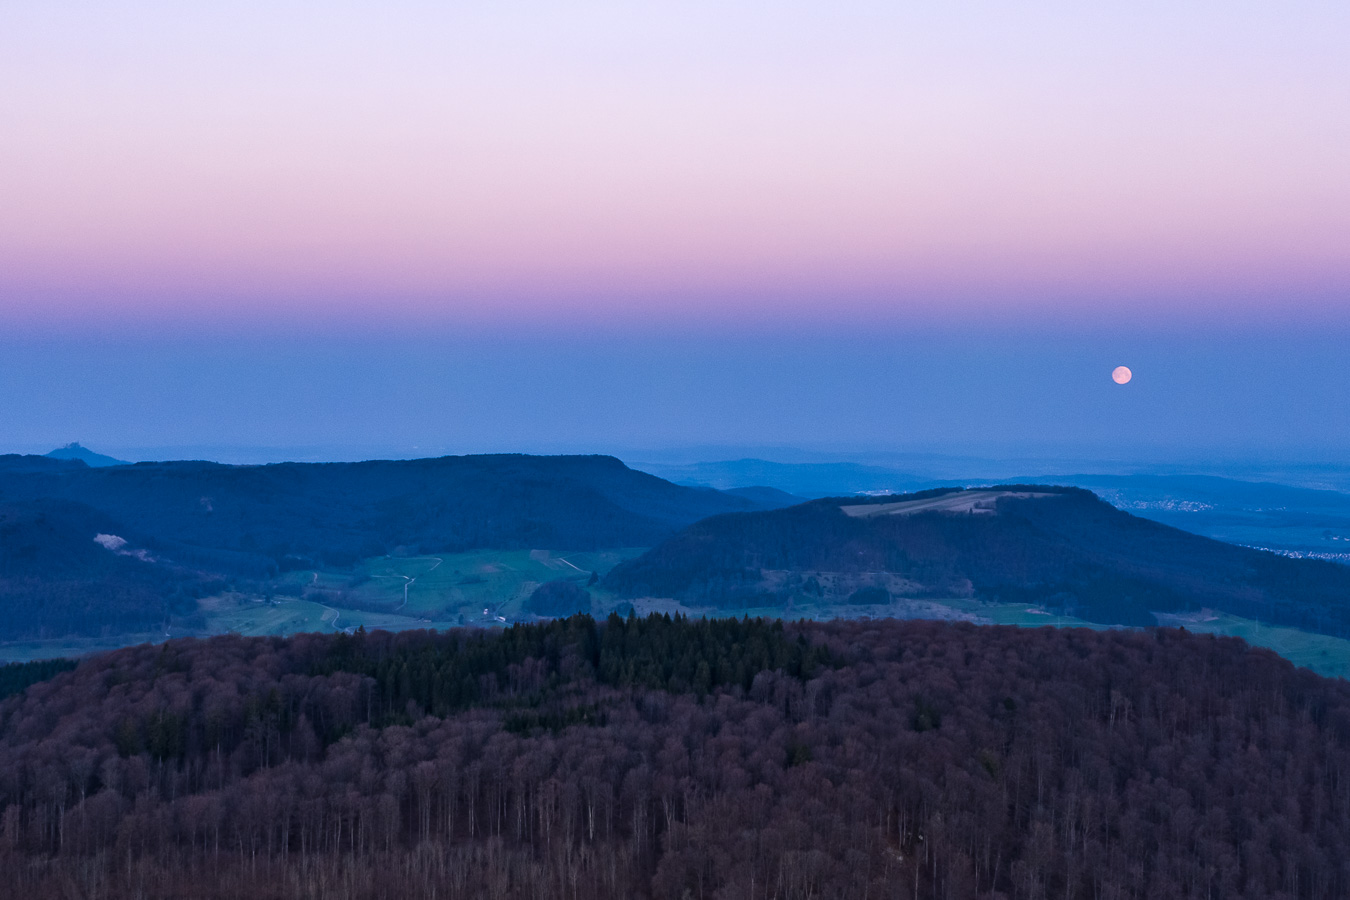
x: 1121, y: 374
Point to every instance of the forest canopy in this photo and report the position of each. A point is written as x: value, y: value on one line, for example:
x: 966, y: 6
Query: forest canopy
x: 669, y: 758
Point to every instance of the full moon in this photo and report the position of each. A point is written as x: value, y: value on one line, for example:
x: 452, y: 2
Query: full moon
x: 1121, y: 374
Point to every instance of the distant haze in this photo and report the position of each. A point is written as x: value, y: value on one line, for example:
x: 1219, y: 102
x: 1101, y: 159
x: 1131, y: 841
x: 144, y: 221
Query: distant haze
x: 268, y: 231
x: 654, y: 398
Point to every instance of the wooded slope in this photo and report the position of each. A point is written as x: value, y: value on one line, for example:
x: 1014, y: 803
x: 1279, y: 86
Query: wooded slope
x: 195, y: 524
x: 334, y: 513
x: 1066, y: 549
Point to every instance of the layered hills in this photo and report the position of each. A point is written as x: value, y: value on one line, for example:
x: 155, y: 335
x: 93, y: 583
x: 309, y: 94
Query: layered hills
x: 131, y: 549
x: 1063, y: 548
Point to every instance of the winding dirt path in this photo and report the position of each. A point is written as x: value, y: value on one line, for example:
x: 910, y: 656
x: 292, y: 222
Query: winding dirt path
x: 408, y: 581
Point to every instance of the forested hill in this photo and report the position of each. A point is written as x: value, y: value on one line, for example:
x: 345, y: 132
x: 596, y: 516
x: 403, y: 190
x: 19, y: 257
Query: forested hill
x: 56, y: 579
x: 1062, y: 547
x: 130, y: 549
x: 667, y: 759
x: 235, y: 517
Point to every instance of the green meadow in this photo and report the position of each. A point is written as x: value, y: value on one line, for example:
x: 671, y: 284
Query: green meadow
x: 485, y: 587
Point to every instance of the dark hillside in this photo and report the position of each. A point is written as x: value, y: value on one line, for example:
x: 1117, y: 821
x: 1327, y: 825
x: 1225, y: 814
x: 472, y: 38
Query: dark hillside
x: 56, y: 580
x: 190, y: 526
x: 1064, y: 547
x: 335, y: 513
x: 13, y: 463
x: 669, y: 759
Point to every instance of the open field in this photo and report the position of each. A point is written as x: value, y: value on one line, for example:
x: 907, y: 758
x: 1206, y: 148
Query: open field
x: 449, y: 589
x: 289, y: 616
x: 463, y: 585
x: 483, y: 588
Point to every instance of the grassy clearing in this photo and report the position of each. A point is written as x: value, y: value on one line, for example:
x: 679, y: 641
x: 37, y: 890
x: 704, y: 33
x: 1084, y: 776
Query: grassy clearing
x: 462, y: 585
x: 262, y: 617
x: 487, y: 587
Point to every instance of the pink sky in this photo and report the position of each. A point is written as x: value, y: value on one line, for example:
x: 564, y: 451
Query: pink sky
x: 672, y: 162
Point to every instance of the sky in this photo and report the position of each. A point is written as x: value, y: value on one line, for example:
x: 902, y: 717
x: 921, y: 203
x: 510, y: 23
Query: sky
x: 355, y: 228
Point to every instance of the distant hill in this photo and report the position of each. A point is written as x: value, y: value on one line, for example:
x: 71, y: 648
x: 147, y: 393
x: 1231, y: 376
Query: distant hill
x: 86, y: 456
x: 1058, y: 546
x: 766, y: 497
x: 305, y: 514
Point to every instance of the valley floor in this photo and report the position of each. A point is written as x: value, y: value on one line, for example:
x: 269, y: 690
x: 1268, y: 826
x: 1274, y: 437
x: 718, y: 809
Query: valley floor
x: 489, y: 588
